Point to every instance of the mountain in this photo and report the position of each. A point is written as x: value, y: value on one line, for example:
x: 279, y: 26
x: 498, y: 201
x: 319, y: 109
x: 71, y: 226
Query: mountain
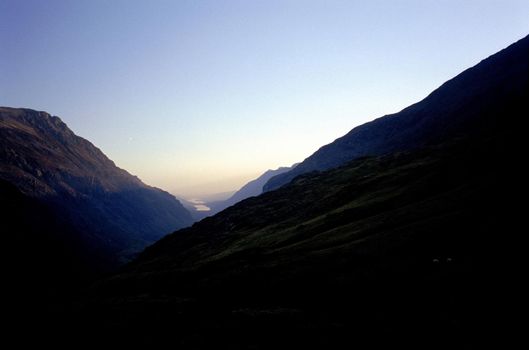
x: 251, y: 189
x: 378, y: 249
x: 114, y: 213
x: 384, y: 250
x: 447, y: 112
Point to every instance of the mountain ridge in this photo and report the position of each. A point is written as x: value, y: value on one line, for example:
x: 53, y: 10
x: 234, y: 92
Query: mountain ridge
x: 53, y: 131
x: 113, y: 209
x: 424, y: 122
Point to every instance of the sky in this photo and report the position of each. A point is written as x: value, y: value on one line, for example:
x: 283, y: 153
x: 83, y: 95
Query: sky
x: 199, y: 97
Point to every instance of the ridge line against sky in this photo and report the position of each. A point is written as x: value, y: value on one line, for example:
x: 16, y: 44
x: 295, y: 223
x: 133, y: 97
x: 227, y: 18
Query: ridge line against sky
x: 199, y: 97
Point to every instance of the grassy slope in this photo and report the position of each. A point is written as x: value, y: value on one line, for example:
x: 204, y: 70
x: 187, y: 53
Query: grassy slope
x: 383, y: 247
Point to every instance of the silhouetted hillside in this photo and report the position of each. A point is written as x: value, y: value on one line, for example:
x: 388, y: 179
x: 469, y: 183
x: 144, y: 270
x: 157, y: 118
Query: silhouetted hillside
x: 470, y: 101
x: 384, y: 250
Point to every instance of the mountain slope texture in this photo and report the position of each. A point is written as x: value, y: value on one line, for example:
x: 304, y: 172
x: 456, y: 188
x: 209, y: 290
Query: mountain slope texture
x: 114, y: 214
x: 468, y: 100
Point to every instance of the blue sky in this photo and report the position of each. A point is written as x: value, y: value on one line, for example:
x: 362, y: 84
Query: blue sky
x: 201, y: 96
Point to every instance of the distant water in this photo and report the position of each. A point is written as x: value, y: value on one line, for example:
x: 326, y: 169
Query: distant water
x: 199, y: 204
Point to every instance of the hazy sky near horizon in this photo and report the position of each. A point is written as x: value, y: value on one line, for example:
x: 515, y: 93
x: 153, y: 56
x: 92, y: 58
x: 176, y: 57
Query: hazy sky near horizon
x: 201, y: 96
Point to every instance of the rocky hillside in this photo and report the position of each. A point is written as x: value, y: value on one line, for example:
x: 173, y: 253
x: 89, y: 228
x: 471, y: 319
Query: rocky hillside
x: 116, y: 213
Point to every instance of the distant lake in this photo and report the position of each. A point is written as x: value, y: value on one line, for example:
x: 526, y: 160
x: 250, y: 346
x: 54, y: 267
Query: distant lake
x: 199, y: 204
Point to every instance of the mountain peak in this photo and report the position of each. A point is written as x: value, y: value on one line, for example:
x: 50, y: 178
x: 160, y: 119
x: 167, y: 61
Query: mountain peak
x: 113, y: 209
x: 31, y: 138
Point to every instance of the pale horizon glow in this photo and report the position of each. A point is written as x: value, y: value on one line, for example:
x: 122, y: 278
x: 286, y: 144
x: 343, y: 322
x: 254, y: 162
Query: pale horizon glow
x: 199, y: 97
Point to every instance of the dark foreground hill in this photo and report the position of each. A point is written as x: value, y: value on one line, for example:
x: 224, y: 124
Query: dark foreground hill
x: 469, y: 100
x: 386, y: 250
x: 113, y: 213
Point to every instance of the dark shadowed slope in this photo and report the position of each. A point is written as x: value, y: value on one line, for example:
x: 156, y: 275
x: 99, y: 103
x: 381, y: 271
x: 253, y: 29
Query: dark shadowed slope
x: 41, y: 246
x: 251, y: 189
x: 113, y: 211
x: 447, y: 112
x: 384, y: 250
x: 381, y: 249
x: 44, y: 259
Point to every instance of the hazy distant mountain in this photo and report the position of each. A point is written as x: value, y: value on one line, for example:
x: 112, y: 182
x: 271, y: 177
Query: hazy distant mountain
x: 216, y: 197
x: 447, y: 112
x: 384, y: 250
x: 115, y: 213
x: 251, y: 189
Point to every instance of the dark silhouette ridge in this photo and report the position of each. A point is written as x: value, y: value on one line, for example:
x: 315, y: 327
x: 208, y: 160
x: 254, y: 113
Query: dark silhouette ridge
x: 447, y: 112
